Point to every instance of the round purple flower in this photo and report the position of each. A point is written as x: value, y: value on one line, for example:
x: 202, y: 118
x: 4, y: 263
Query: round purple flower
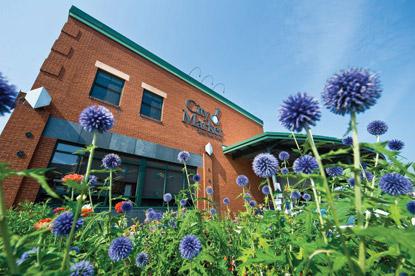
x: 183, y: 156
x: 284, y: 171
x: 8, y: 94
x: 226, y: 201
x: 26, y: 255
x: 82, y: 268
x: 295, y: 195
x: 306, y: 197
x: 190, y: 247
x: 347, y: 141
x: 196, y: 178
x: 212, y: 211
x: 334, y: 171
x: 265, y: 165
x: 120, y: 249
x: 111, y: 161
x: 284, y: 156
x: 305, y: 164
x: 351, y: 181
x: 367, y: 175
x: 92, y: 180
x: 127, y: 206
x: 377, y: 128
x: 252, y: 203
x: 96, y: 118
x: 265, y: 190
x: 299, y: 112
x: 396, y: 144
x: 242, y: 180
x: 411, y: 207
x: 209, y: 190
x: 352, y: 90
x: 167, y: 197
x: 142, y: 259
x: 61, y: 226
x: 247, y: 196
x: 395, y: 184
x: 183, y: 202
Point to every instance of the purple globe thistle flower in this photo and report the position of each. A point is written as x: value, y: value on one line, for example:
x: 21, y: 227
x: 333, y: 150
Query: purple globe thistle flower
x: 364, y: 165
x: 126, y: 206
x: 183, y: 202
x: 141, y: 260
x: 396, y: 144
x: 299, y: 112
x: 61, y: 226
x: 334, y: 171
x: 395, y: 184
x: 247, y: 196
x: 265, y: 190
x: 410, y: 206
x: 209, y: 190
x: 183, y: 156
x: 226, y: 201
x: 242, y: 180
x: 8, y: 94
x: 26, y: 255
x: 120, y: 249
x: 352, y: 90
x: 305, y: 164
x: 347, y: 141
x: 367, y: 175
x: 96, y: 118
x: 252, y: 203
x: 351, y: 181
x: 167, y: 197
x: 111, y: 161
x: 306, y: 197
x: 265, y: 165
x: 190, y: 247
x: 295, y: 195
x: 377, y: 128
x: 196, y: 178
x: 284, y: 171
x: 82, y: 268
x: 92, y: 180
x: 284, y: 156
x: 212, y: 211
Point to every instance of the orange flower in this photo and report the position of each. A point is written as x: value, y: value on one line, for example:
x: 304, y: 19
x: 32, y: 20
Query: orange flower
x: 74, y: 177
x: 118, y: 207
x: 43, y: 223
x: 86, y: 209
x: 58, y: 210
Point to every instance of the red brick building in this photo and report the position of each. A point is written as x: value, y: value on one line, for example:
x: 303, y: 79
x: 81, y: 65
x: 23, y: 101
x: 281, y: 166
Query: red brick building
x: 158, y: 109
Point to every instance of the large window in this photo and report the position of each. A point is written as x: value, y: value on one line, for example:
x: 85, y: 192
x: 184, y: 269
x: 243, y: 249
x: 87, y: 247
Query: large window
x: 151, y: 105
x: 141, y: 180
x: 107, y: 87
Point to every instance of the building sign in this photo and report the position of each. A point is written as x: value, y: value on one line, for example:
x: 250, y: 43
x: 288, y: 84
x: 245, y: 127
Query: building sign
x: 196, y: 116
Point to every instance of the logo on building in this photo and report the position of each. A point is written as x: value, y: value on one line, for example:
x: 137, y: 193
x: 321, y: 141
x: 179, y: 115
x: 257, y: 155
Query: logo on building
x: 198, y: 117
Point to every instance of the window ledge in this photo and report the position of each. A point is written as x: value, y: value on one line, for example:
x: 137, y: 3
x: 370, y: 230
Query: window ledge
x: 105, y: 102
x: 151, y: 119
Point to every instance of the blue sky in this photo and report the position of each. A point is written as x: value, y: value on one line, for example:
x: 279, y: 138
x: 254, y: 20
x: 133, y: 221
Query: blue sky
x: 262, y: 53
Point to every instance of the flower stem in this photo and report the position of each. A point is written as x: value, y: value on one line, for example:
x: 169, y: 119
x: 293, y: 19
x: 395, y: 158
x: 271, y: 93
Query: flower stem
x: 110, y: 194
x: 296, y: 142
x: 320, y: 216
x: 271, y: 194
x: 188, y: 183
x: 65, y: 260
x: 357, y: 189
x: 4, y: 232
x: 376, y: 164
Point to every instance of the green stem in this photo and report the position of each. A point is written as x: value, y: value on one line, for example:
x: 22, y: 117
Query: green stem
x: 357, y: 190
x: 376, y: 164
x: 271, y: 194
x: 65, y: 260
x: 313, y: 187
x: 296, y: 142
x: 110, y: 194
x: 188, y: 183
x: 4, y: 232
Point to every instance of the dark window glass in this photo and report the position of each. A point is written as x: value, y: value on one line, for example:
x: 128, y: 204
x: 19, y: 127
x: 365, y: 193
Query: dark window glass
x: 154, y: 183
x: 151, y: 105
x: 107, y: 87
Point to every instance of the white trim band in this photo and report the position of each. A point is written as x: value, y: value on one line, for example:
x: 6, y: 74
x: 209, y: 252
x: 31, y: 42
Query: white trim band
x: 112, y: 70
x: 154, y: 90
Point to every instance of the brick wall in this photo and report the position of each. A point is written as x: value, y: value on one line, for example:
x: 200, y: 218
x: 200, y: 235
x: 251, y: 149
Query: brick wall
x: 68, y: 74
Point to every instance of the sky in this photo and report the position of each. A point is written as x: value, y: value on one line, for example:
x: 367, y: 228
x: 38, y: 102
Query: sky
x: 261, y: 53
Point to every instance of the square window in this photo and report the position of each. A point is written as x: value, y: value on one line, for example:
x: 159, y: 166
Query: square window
x: 107, y: 87
x: 151, y: 105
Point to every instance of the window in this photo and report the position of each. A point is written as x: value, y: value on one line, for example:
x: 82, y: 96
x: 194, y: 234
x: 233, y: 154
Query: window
x: 107, y: 87
x: 151, y: 105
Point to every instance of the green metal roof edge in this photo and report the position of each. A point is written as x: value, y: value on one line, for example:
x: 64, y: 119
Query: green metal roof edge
x: 277, y: 135
x: 126, y: 42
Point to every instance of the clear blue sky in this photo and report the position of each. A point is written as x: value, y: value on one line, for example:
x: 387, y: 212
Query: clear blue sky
x: 262, y: 53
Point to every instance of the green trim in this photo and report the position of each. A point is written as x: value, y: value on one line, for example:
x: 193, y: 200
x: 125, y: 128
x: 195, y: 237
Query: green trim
x: 277, y: 136
x: 117, y: 37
